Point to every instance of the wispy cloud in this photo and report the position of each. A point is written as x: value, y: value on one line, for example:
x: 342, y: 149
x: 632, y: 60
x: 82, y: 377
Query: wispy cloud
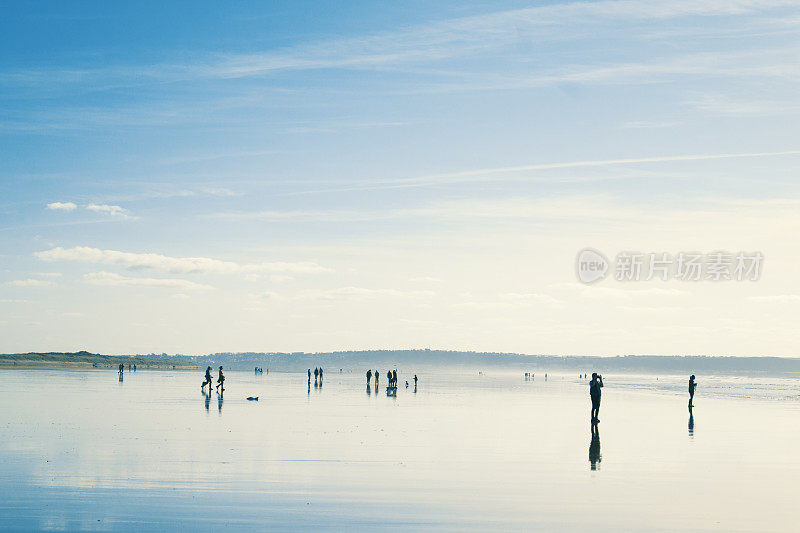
x: 452, y: 38
x: 361, y: 293
x: 61, y: 206
x: 163, y: 263
x: 38, y: 283
x: 113, y: 210
x: 776, y: 298
x: 488, y: 174
x: 727, y: 105
x: 116, y: 280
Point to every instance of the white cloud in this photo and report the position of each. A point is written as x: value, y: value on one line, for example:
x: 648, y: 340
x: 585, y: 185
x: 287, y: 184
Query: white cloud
x: 179, y: 265
x: 31, y: 283
x: 361, y: 293
x: 113, y: 210
x: 49, y: 274
x: 115, y: 280
x: 776, y: 298
x: 61, y: 206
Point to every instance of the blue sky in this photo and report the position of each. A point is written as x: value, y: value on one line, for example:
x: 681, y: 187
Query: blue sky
x: 394, y: 174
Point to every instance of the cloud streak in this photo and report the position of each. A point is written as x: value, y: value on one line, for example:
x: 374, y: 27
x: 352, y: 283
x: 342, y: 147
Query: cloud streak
x: 113, y: 210
x: 177, y: 265
x: 115, y: 280
x: 36, y: 283
x: 61, y: 206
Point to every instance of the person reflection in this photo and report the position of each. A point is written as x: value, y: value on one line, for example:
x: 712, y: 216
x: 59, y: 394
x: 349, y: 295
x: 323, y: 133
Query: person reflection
x: 691, y: 421
x: 594, y: 447
x: 369, y: 390
x: 219, y: 402
x: 207, y: 399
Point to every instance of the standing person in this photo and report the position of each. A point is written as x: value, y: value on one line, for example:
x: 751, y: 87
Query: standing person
x: 369, y: 376
x: 209, y: 380
x: 309, y: 375
x: 692, y: 387
x: 220, y: 381
x: 394, y: 377
x: 595, y: 387
x: 316, y: 374
x: 389, y: 377
x: 415, y: 381
x: 377, y: 375
x: 320, y: 375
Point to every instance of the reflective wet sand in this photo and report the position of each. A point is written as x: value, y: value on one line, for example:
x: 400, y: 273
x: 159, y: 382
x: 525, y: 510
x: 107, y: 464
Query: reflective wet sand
x: 82, y: 451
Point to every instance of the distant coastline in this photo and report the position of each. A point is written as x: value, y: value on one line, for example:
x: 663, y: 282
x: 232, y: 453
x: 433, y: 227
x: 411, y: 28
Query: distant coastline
x: 85, y: 359
x: 418, y: 359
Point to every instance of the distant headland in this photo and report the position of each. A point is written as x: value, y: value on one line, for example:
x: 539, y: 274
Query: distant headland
x: 84, y: 359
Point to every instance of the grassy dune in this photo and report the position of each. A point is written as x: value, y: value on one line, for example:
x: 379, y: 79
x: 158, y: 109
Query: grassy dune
x: 89, y: 360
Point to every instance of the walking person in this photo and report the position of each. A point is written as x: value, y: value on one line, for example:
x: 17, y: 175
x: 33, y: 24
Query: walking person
x: 320, y: 375
x: 220, y: 382
x: 692, y: 387
x: 369, y: 376
x: 309, y: 375
x: 209, y: 380
x: 595, y: 393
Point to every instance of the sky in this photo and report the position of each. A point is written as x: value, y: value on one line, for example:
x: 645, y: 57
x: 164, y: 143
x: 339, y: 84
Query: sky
x: 196, y: 177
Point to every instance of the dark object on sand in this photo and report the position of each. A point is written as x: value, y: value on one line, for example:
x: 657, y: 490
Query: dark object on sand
x: 252, y: 398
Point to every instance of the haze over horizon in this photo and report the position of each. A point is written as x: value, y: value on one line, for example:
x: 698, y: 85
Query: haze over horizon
x: 197, y: 178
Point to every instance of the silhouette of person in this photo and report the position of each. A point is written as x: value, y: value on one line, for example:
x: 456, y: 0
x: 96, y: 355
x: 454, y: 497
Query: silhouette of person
x: 594, y: 448
x: 316, y: 373
x: 406, y: 384
x: 121, y: 368
x: 220, y: 383
x: 309, y: 375
x: 415, y: 381
x: 209, y: 380
x: 389, y: 377
x: 394, y: 377
x: 377, y: 375
x: 369, y: 376
x: 320, y: 375
x: 692, y: 387
x: 595, y: 393
x: 134, y: 368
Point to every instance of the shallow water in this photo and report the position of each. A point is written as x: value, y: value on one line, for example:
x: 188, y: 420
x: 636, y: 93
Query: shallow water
x: 82, y: 451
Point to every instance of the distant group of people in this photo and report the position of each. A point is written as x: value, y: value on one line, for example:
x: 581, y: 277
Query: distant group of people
x: 391, y: 376
x: 122, y: 369
x: 210, y: 381
x: 317, y: 375
x: 260, y: 370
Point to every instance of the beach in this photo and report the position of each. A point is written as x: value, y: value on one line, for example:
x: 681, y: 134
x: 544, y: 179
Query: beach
x: 83, y: 451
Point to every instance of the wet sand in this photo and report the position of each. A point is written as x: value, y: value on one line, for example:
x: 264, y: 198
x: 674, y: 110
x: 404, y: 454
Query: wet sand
x: 82, y: 451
